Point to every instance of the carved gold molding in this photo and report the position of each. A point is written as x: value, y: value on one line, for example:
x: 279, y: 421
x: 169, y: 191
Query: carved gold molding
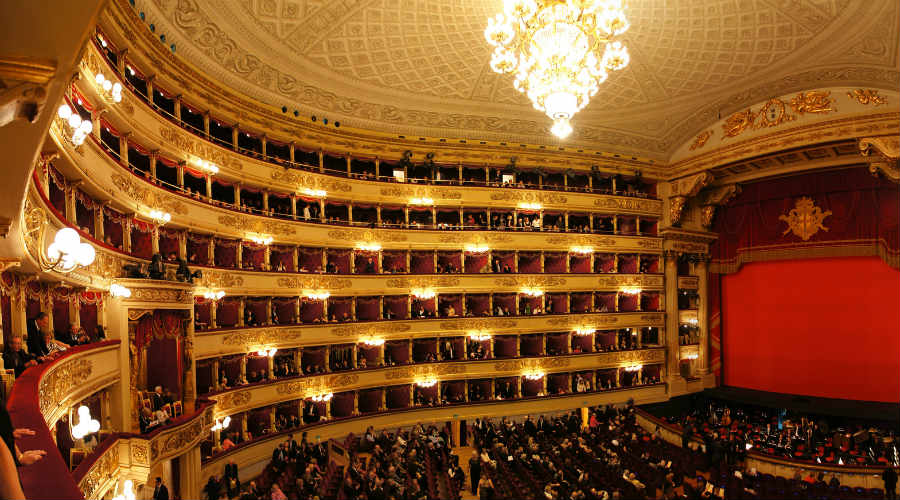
x: 883, y: 155
x: 643, y: 281
x: 371, y: 330
x: 138, y: 191
x: 257, y: 224
x: 315, y: 282
x: 104, y: 469
x: 23, y: 87
x: 430, y: 282
x: 774, y: 112
x: 713, y: 198
x: 61, y: 381
x: 867, y: 96
x: 263, y: 337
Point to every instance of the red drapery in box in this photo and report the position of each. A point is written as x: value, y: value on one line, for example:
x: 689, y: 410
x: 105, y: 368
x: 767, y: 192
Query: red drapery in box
x: 478, y: 304
x: 604, y: 263
x: 342, y: 404
x: 227, y: 313
x: 605, y: 301
x: 258, y: 308
x: 397, y: 351
x: 370, y: 353
x: 112, y: 227
x: 61, y: 297
x: 312, y: 357
x: 529, y: 262
x: 258, y: 364
x: 555, y: 262
x: 628, y: 302
x: 225, y: 252
x: 863, y: 220
x: 559, y: 303
x: 161, y: 334
x: 141, y: 239
x: 397, y: 397
x: 398, y: 305
x: 282, y: 256
x: 649, y: 263
x: 369, y: 400
x: 452, y: 259
x: 558, y: 383
x: 202, y: 312
x: 506, y: 301
x: 422, y: 348
x: 367, y: 309
x: 557, y: 343
x: 627, y: 225
x: 581, y: 343
x: 582, y: 302
x: 168, y: 243
x: 536, y: 304
x: 253, y: 256
x: 450, y: 300
x: 422, y: 262
x: 259, y: 421
x: 198, y: 249
x: 84, y: 212
x: 366, y: 262
x: 531, y: 345
x: 455, y: 389
x: 311, y: 311
x: 606, y: 339
x: 285, y: 310
x: 628, y: 263
x: 339, y: 308
x: 427, y: 304
x: 310, y: 259
x: 87, y: 312
x: 394, y: 261
x: 579, y: 263
x: 340, y: 259
x: 650, y: 301
x: 505, y: 346
x: 205, y: 377
x: 531, y: 388
x: 476, y: 262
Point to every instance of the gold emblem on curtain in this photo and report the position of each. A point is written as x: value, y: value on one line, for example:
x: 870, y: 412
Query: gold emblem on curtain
x: 805, y: 219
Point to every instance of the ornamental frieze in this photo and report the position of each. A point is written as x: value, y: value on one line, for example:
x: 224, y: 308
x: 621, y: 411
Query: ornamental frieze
x: 412, y: 372
x: 296, y: 386
x: 106, y: 467
x: 161, y: 295
x: 576, y: 321
x: 650, y: 244
x: 342, y: 380
x: 220, y: 279
x: 262, y: 336
x: 55, y: 386
x: 419, y: 192
x: 640, y: 356
x: 532, y: 364
x: 441, y: 281
x: 775, y: 112
x: 530, y: 197
x: 233, y: 400
x: 530, y: 282
x: 139, y: 454
x: 129, y: 186
x: 315, y: 282
x: 257, y: 225
x: 658, y: 317
x: 178, y: 441
x: 366, y: 235
x: 688, y: 282
x: 633, y: 204
x: 478, y: 324
x: 481, y: 238
x: 199, y: 149
x: 631, y: 280
x: 307, y: 180
x: 573, y: 240
x: 346, y: 331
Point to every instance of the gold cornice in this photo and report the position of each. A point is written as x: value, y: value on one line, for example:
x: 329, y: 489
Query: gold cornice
x: 27, y: 69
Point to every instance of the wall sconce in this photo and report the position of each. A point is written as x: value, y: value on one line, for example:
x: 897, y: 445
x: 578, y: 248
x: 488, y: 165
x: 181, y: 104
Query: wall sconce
x: 630, y: 290
x: 221, y: 424
x: 633, y: 368
x: 267, y: 353
x: 368, y: 246
x: 584, y: 331
x: 423, y: 293
x: 317, y: 294
x: 207, y: 166
x: 127, y: 491
x: 78, y: 127
x: 692, y: 356
x: 324, y: 397
x: 110, y: 90
x: 260, y: 239
x: 530, y: 206
x: 479, y: 336
x: 693, y: 321
x: 371, y: 342
x: 533, y: 375
x: 67, y: 252
x: 211, y: 295
x: 117, y: 290
x: 315, y: 193
x: 160, y: 218
x: 582, y: 250
x: 421, y: 201
x: 429, y: 382
x: 477, y: 248
x: 86, y: 425
x: 532, y: 292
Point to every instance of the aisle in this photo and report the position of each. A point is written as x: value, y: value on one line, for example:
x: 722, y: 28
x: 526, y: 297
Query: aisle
x: 465, y: 453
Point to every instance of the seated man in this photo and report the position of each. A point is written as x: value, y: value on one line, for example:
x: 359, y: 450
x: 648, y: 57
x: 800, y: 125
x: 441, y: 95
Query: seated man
x: 15, y: 358
x: 48, y: 347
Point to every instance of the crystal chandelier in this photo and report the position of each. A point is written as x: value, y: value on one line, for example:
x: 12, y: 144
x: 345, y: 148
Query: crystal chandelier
x: 559, y: 50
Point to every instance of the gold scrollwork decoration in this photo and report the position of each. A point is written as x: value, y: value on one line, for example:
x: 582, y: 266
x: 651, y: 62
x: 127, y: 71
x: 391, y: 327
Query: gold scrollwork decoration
x: 478, y: 324
x: 701, y: 139
x: 263, y: 336
x: 805, y: 219
x: 104, y: 468
x: 58, y: 383
x: 233, y: 400
x: 243, y: 223
x: 346, y: 331
x: 314, y: 282
x: 867, y: 96
x: 145, y: 195
x: 439, y: 281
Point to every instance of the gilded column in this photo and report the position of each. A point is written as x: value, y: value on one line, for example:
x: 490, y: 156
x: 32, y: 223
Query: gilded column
x: 671, y: 284
x: 703, y: 313
x: 189, y: 473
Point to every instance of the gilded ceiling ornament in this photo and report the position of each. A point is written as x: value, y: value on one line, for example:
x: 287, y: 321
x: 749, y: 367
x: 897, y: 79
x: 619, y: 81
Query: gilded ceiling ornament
x: 701, y: 139
x: 867, y: 96
x: 774, y: 112
x: 816, y: 101
x: 805, y: 219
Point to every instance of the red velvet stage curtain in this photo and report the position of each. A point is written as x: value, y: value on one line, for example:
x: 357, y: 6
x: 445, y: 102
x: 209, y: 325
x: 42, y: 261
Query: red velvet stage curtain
x: 202, y: 312
x: 310, y: 259
x: 227, y: 313
x: 61, y: 297
x: 506, y: 301
x: 628, y: 302
x: 311, y: 311
x: 282, y: 256
x: 339, y: 258
x: 559, y: 303
x: 604, y: 263
x: 581, y: 343
x: 864, y: 219
x: 579, y: 263
x: 555, y: 262
x: 650, y: 301
x: 198, y: 249
x: 141, y: 239
x: 478, y: 304
x: 285, y: 309
x: 422, y: 262
x: 476, y: 262
x: 87, y: 312
x: 398, y: 305
x: 558, y: 383
x: 161, y: 334
x: 168, y: 243
x: 817, y: 327
x: 367, y: 309
x: 342, y: 404
x: 397, y: 351
x: 605, y: 301
x: 253, y: 256
x: 582, y: 302
x: 715, y: 325
x: 505, y: 346
x: 113, y: 228
x: 531, y: 345
x: 394, y: 261
x: 628, y: 263
x: 369, y: 400
x: 225, y: 252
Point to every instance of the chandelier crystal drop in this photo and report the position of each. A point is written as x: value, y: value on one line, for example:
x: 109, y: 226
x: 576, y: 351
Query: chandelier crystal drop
x: 560, y: 51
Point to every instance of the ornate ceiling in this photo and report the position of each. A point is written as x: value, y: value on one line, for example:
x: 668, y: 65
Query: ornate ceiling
x: 420, y: 67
